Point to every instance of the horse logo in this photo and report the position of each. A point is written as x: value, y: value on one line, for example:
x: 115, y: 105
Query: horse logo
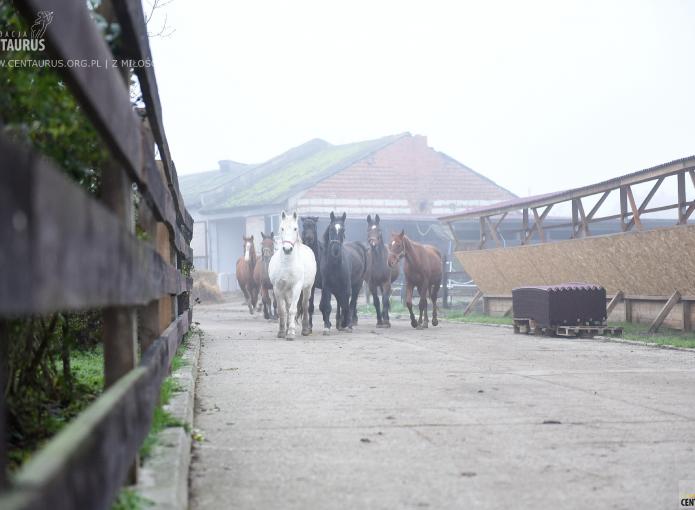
x: 38, y: 29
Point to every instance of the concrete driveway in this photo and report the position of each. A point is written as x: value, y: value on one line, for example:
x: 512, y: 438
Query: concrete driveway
x: 458, y: 416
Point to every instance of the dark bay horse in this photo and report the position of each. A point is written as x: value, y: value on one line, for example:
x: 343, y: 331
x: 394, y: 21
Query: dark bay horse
x: 422, y: 269
x: 310, y: 238
x: 261, y: 278
x: 245, y: 266
x: 343, y: 267
x: 379, y: 275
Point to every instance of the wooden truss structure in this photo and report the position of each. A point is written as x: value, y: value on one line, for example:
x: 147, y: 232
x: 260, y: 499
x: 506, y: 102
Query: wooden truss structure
x: 535, y: 210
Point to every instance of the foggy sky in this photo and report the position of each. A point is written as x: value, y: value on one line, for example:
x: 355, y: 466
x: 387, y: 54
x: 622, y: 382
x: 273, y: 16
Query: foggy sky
x: 536, y: 95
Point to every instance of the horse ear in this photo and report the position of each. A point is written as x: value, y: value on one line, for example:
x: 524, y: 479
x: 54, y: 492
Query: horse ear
x: 344, y: 216
x: 263, y: 236
x: 369, y: 219
x: 284, y: 215
x: 294, y: 215
x: 272, y: 235
x: 332, y: 216
x: 402, y: 232
x: 376, y: 220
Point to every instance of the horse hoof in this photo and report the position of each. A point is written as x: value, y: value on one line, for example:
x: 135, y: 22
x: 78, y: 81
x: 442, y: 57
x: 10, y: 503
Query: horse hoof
x: 435, y: 322
x: 414, y: 323
x: 420, y: 327
x: 306, y: 332
x: 349, y: 330
x: 281, y: 334
x: 387, y: 324
x: 326, y: 332
x: 381, y: 325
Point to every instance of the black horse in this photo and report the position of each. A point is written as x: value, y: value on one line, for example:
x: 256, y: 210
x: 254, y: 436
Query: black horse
x: 343, y: 267
x: 379, y: 275
x: 310, y: 237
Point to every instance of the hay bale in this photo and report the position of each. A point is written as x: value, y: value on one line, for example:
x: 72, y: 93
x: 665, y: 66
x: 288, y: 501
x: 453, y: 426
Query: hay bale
x: 209, y: 277
x: 205, y: 289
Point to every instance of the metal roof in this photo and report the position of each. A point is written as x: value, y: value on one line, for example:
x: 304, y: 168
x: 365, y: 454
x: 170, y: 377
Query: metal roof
x: 663, y: 170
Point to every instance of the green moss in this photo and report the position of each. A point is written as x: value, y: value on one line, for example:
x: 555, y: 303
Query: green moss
x: 161, y: 418
x: 128, y: 499
x: 272, y: 188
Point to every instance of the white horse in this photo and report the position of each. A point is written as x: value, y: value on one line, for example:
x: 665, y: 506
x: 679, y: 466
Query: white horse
x: 292, y: 271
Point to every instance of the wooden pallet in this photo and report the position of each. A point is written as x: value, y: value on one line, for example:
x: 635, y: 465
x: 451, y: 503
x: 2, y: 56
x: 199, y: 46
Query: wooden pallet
x: 529, y: 326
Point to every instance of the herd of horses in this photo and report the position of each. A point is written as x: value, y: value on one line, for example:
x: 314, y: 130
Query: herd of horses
x: 293, y: 265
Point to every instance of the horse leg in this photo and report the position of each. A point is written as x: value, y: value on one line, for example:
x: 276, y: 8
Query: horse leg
x: 275, y: 304
x: 433, y: 297
x: 346, y: 315
x: 422, y: 305
x: 409, y: 303
x: 353, y: 302
x: 325, y: 307
x: 247, y: 298
x: 282, y: 309
x: 292, y: 316
x: 311, y: 308
x: 306, y: 323
x: 254, y: 299
x: 375, y: 301
x: 265, y: 300
x: 386, y: 303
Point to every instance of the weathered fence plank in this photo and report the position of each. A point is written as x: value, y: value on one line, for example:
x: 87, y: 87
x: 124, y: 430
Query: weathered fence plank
x: 614, y: 302
x: 101, y: 92
x: 66, y: 250
x: 136, y: 45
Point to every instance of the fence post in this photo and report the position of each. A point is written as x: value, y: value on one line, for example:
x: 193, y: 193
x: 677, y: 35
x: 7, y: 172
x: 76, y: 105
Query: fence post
x: 445, y: 283
x: 119, y: 322
x: 687, y: 322
x: 4, y: 343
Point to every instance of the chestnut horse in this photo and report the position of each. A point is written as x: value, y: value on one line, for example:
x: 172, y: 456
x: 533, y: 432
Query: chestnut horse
x: 379, y: 275
x: 245, y: 266
x: 262, y: 279
x: 422, y: 269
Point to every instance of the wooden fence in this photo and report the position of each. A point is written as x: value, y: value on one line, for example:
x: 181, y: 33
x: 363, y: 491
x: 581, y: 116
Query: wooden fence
x: 62, y: 250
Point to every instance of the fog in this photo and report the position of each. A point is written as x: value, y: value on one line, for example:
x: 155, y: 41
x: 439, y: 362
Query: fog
x: 538, y: 96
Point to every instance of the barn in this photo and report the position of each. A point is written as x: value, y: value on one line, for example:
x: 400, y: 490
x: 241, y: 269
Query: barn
x: 400, y: 177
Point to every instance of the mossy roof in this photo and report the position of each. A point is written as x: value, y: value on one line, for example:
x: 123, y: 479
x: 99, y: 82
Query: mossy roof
x: 280, y: 178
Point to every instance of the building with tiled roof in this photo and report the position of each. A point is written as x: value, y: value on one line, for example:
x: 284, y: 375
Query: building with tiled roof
x: 399, y: 177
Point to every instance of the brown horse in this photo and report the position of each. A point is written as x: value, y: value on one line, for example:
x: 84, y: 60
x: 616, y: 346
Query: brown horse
x: 379, y: 275
x: 261, y: 278
x: 422, y: 269
x: 244, y: 273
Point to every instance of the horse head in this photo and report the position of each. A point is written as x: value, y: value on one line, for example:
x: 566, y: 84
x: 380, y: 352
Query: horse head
x: 397, y: 248
x: 289, y: 232
x: 267, y: 246
x: 335, y: 235
x: 374, y: 236
x: 309, y: 230
x: 248, y: 248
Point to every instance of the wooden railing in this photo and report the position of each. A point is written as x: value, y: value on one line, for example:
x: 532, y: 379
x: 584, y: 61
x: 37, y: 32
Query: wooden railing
x: 62, y: 249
